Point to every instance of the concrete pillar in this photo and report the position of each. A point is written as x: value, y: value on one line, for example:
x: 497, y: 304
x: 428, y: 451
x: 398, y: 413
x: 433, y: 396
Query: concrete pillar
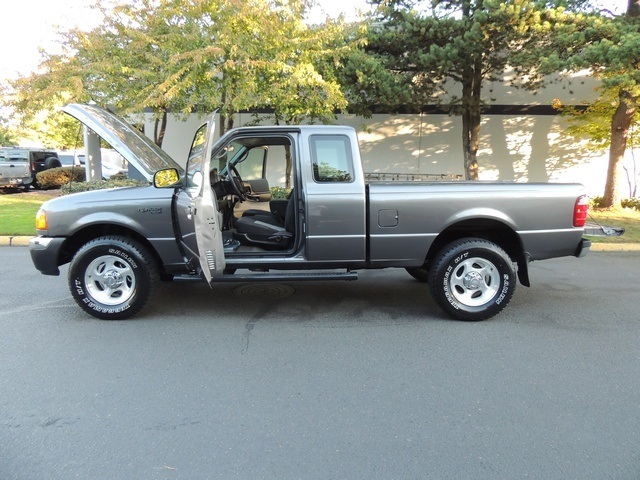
x: 93, y: 157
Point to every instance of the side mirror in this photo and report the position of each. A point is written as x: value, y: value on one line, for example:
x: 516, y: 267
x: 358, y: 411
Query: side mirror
x: 166, y: 178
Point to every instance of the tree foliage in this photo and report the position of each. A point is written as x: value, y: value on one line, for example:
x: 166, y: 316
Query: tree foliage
x: 7, y: 136
x: 446, y: 50
x: 187, y: 55
x: 608, y: 47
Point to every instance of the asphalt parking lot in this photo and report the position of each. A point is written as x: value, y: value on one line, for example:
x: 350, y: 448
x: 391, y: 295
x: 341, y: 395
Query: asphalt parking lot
x: 335, y: 380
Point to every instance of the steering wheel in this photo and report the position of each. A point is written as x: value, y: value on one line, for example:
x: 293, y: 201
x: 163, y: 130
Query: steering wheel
x: 236, y: 182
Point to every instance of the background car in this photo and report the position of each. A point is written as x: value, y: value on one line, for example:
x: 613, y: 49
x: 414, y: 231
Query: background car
x: 39, y: 159
x: 111, y: 162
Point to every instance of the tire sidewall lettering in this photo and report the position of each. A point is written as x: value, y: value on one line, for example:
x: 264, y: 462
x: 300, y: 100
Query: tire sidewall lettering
x: 505, y: 289
x: 446, y: 288
x: 125, y: 256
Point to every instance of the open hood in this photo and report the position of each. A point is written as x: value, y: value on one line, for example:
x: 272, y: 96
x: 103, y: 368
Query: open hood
x: 144, y: 155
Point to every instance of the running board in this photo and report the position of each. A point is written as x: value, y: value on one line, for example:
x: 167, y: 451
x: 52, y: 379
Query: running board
x: 284, y: 277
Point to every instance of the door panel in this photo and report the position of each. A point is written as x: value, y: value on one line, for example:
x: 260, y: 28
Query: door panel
x: 197, y: 209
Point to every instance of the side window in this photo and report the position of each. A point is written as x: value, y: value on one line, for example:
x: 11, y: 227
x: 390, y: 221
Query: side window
x: 195, y: 162
x: 331, y: 158
x: 253, y: 165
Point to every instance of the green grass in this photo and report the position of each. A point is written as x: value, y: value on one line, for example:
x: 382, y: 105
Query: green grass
x: 627, y: 218
x: 18, y: 211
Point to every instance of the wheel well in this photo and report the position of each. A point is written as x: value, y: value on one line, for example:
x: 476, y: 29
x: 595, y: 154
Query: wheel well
x: 81, y: 237
x: 488, y: 229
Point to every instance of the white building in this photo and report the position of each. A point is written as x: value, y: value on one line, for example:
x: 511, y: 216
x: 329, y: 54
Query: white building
x: 522, y: 139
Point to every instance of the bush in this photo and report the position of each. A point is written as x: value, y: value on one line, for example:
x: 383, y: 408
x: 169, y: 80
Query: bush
x: 633, y: 203
x: 595, y: 202
x: 279, y: 193
x: 114, y: 182
x: 57, y: 177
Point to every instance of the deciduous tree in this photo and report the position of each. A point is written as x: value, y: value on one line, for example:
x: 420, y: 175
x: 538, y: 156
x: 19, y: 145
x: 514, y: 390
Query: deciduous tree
x: 608, y: 46
x: 186, y: 55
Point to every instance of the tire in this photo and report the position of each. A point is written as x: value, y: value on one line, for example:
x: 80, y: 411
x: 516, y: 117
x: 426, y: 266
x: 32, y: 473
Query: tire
x: 112, y: 278
x: 472, y: 279
x: 419, y: 273
x: 51, y: 162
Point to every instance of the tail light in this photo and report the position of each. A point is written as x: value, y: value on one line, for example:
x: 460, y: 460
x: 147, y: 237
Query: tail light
x: 580, y: 211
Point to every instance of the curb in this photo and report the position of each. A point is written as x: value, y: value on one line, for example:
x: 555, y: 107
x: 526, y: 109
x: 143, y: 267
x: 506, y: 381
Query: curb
x: 14, y: 241
x: 615, y: 247
x: 22, y: 241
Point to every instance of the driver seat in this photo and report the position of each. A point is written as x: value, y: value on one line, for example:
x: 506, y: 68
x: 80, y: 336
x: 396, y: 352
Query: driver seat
x: 267, y: 229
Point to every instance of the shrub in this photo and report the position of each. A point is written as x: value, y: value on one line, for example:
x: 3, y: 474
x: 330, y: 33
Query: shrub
x: 57, y: 177
x: 633, y: 203
x: 279, y: 193
x: 595, y: 202
x: 114, y: 182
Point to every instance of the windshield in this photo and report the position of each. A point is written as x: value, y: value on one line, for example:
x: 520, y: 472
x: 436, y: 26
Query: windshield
x: 128, y: 141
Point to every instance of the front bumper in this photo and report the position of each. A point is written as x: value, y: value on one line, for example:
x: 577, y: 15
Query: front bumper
x: 45, y: 252
x: 583, y: 248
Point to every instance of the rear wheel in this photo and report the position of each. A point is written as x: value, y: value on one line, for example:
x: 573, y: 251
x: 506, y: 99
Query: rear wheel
x: 112, y: 278
x: 472, y: 279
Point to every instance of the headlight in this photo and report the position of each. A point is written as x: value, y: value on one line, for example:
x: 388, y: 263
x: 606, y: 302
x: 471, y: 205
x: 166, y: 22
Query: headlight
x: 41, y: 220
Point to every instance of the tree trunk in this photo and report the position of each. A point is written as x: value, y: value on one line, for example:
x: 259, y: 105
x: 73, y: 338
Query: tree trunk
x: 620, y: 124
x: 159, y: 129
x: 288, y: 166
x: 471, y: 118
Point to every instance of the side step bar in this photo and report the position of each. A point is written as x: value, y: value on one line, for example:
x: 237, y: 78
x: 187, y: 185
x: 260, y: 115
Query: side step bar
x: 284, y: 277
x: 271, y: 277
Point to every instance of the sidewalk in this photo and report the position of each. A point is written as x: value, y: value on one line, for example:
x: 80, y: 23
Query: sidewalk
x: 18, y: 241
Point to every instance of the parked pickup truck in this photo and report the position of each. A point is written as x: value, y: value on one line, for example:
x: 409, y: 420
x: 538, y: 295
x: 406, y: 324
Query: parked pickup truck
x: 15, y: 171
x: 467, y: 240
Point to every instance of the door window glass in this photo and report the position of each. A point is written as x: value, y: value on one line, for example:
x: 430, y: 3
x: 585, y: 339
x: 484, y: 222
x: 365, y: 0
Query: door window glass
x: 195, y: 162
x: 331, y: 158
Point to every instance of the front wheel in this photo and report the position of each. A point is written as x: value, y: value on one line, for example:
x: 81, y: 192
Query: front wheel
x: 112, y: 278
x: 472, y: 279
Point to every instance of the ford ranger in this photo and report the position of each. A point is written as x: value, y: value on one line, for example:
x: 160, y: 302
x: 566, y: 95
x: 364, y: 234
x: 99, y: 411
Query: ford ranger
x: 216, y: 220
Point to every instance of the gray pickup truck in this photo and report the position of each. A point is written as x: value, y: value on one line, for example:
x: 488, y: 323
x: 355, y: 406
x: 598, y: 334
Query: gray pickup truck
x: 15, y: 171
x: 216, y: 221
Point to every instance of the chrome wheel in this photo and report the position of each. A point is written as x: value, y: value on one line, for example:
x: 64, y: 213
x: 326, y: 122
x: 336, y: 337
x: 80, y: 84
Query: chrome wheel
x: 110, y: 280
x: 474, y: 282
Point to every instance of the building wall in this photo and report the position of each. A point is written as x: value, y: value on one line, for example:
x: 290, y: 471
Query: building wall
x: 522, y: 148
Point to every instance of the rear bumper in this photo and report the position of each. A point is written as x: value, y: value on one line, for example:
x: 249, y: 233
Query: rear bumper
x: 45, y: 252
x: 14, y: 181
x: 583, y: 248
